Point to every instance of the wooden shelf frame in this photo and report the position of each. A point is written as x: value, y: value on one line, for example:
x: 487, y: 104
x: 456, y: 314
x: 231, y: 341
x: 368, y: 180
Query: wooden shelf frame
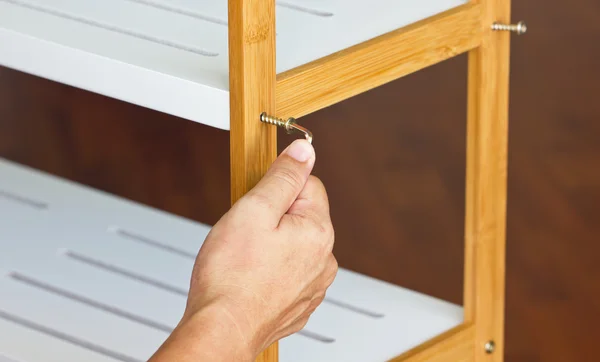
x: 365, y: 66
x: 255, y: 87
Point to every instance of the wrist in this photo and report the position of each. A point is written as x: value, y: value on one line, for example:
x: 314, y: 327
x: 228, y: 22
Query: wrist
x: 227, y: 329
x: 210, y: 334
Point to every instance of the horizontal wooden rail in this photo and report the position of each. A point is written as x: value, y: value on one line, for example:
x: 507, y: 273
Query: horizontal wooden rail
x: 355, y: 70
x: 456, y: 345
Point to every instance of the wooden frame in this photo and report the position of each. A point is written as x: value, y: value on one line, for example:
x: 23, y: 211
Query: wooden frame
x: 254, y: 88
x: 252, y: 91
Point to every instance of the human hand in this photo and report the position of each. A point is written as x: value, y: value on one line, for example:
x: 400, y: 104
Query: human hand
x: 266, y: 265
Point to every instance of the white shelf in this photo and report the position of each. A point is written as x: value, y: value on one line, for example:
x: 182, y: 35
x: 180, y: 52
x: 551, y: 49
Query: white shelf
x: 171, y: 55
x: 86, y: 276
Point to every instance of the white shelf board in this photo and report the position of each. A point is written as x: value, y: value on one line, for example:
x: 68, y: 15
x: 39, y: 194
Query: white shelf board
x: 86, y: 276
x: 172, y: 55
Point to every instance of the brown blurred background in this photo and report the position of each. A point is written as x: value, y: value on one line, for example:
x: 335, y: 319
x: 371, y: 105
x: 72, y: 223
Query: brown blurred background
x: 393, y: 161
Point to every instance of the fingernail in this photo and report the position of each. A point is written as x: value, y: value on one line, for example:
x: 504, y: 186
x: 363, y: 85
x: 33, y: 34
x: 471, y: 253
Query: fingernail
x: 300, y: 150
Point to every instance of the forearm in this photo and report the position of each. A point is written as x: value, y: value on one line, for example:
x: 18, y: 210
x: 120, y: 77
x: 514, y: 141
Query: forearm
x: 209, y: 335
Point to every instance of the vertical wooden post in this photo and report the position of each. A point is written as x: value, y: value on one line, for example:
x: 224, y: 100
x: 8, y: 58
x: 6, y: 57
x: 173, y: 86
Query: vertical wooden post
x: 487, y: 135
x: 252, y: 72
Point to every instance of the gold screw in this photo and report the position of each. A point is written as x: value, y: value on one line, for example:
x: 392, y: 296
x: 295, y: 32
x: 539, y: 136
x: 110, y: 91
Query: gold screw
x: 290, y: 125
x: 520, y: 28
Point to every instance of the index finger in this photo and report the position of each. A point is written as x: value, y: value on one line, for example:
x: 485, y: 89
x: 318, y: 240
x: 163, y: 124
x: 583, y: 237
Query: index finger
x: 312, y: 201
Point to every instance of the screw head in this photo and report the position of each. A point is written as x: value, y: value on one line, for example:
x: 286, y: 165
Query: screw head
x: 521, y: 28
x: 490, y: 347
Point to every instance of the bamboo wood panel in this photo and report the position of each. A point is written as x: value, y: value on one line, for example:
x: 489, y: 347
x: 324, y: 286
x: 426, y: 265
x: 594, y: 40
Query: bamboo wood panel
x: 252, y: 91
x: 487, y: 135
x: 358, y: 69
x: 455, y: 345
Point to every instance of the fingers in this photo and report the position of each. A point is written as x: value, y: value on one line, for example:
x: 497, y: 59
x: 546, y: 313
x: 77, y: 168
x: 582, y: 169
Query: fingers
x: 312, y: 201
x: 311, y: 299
x: 331, y: 272
x: 309, y: 216
x: 279, y: 188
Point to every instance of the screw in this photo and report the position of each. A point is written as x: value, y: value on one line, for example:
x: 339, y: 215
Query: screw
x: 520, y: 28
x: 490, y: 347
x: 290, y: 125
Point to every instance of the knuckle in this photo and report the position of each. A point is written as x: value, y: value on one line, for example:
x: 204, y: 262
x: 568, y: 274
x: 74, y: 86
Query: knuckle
x: 326, y: 232
x: 331, y: 270
x: 316, y: 182
x: 316, y: 302
x: 322, y: 237
x: 302, y: 323
x: 323, y: 226
x: 334, y: 267
x: 319, y: 299
x: 331, y: 279
x: 318, y: 189
x: 333, y: 263
x: 330, y: 230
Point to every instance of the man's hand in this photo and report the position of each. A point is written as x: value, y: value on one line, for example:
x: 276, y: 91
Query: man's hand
x: 265, y: 266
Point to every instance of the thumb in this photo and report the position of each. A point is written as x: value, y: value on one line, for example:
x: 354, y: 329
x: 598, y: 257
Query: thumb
x: 284, y: 181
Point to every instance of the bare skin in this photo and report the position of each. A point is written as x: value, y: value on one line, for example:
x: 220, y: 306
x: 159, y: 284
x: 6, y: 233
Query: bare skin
x: 263, y: 269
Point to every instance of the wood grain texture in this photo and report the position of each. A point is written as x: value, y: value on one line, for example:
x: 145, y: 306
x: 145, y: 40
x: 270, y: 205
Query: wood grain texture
x: 486, y: 193
x: 252, y: 91
x: 270, y: 354
x: 360, y: 68
x: 456, y: 345
x: 253, y: 145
